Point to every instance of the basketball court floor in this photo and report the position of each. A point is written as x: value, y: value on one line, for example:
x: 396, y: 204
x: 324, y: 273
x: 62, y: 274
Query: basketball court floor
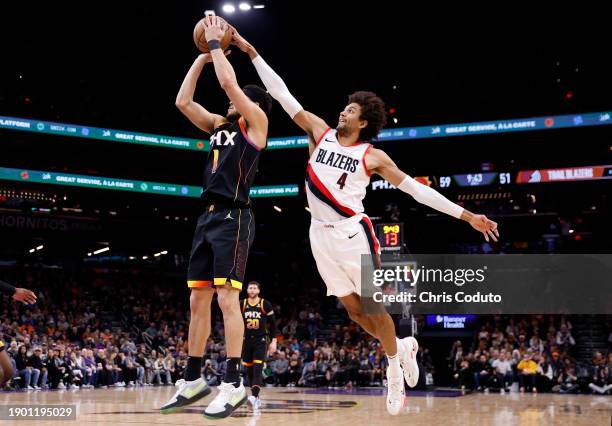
x: 296, y: 407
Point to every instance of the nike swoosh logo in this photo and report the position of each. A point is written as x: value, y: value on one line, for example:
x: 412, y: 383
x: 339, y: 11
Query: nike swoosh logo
x: 329, y: 140
x: 351, y: 236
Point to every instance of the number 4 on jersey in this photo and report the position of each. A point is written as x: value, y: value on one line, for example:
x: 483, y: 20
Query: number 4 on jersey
x: 342, y: 181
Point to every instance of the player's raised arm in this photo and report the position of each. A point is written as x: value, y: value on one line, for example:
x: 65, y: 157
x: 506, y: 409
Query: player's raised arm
x: 195, y: 112
x: 380, y: 163
x: 309, y: 122
x: 20, y: 294
x: 255, y: 117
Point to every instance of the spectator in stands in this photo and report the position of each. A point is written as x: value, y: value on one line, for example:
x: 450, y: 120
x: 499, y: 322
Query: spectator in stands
x: 280, y: 369
x: 535, y: 344
x: 211, y: 375
x: 503, y: 370
x: 158, y: 370
x: 527, y: 369
x: 352, y: 370
x: 464, y: 375
x: 57, y: 370
x: 169, y: 367
x: 114, y: 362
x: 564, y: 340
x: 145, y: 366
x: 313, y: 371
x: 544, y: 373
x: 24, y: 369
x: 89, y: 364
x: 128, y: 368
x: 37, y: 363
x: 295, y: 368
x: 482, y: 373
x: 602, y: 381
x: 103, y: 370
x: 76, y: 368
x: 568, y: 380
x: 377, y: 371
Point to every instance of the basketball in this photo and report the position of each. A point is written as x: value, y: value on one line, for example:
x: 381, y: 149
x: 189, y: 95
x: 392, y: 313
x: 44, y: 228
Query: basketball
x: 200, y: 39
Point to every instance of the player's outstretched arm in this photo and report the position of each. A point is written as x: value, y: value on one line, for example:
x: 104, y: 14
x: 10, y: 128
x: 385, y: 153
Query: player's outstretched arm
x: 20, y: 294
x: 380, y: 163
x: 256, y: 119
x: 195, y: 112
x: 309, y: 122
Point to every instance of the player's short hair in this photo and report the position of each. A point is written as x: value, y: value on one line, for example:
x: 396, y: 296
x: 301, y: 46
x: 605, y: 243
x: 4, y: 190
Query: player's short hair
x: 256, y: 283
x: 372, y: 110
x: 259, y: 95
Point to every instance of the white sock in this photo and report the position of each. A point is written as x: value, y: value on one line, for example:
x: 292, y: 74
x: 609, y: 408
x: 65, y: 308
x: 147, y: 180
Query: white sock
x: 394, y: 369
x: 400, y: 345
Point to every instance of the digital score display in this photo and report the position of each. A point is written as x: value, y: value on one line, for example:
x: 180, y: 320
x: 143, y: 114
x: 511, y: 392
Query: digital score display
x: 475, y: 179
x: 390, y: 236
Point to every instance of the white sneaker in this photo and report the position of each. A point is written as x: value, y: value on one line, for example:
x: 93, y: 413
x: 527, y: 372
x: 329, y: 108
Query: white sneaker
x: 73, y: 386
x: 408, y: 348
x: 227, y: 400
x: 30, y: 387
x: 37, y: 387
x: 255, y: 402
x: 395, y: 395
x: 61, y: 386
x: 186, y: 393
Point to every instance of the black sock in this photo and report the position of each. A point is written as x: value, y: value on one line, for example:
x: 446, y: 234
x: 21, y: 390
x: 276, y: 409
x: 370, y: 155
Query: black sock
x: 255, y: 391
x: 194, y: 368
x: 233, y: 372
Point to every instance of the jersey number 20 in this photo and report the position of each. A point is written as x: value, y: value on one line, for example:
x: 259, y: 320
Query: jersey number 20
x: 252, y: 323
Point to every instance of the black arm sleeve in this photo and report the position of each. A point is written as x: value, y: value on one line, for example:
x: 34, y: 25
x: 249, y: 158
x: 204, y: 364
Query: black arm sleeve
x: 271, y: 319
x: 6, y: 288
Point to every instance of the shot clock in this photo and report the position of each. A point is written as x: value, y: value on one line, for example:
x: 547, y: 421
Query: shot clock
x: 390, y: 236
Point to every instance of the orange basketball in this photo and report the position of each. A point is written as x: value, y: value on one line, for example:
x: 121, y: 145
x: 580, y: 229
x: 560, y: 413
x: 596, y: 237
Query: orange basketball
x: 200, y: 39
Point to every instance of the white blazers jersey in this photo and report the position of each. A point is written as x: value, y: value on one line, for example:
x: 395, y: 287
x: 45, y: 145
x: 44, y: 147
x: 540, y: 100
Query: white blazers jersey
x: 337, y: 178
x: 336, y: 183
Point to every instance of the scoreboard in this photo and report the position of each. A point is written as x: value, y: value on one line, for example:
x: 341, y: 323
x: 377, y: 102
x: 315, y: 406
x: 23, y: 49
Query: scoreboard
x: 390, y: 236
x: 475, y: 179
x: 507, y: 178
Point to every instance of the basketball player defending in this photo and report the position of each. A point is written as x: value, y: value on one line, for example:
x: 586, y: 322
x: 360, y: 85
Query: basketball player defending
x: 21, y: 295
x: 257, y: 313
x: 338, y: 173
x: 225, y: 231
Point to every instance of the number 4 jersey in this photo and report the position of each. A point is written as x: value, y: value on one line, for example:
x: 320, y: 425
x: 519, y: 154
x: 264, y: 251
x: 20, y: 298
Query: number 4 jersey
x: 336, y: 183
x: 337, y: 178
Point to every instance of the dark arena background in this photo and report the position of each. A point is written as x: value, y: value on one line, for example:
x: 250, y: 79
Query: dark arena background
x: 100, y: 177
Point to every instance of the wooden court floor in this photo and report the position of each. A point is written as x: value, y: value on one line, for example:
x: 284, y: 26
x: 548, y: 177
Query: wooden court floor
x: 296, y: 407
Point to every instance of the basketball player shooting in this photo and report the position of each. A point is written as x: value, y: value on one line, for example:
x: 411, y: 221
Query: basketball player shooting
x: 257, y: 313
x: 26, y: 297
x: 339, y: 169
x: 225, y: 231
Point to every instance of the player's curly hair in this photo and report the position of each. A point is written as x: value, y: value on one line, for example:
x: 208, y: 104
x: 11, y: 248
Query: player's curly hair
x: 372, y: 110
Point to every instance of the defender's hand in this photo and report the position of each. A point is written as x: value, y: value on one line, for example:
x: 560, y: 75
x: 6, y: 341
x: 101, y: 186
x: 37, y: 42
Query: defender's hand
x: 485, y: 225
x: 25, y: 296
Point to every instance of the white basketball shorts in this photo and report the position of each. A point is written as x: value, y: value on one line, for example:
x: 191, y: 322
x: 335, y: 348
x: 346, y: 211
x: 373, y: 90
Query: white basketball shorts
x: 337, y: 248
